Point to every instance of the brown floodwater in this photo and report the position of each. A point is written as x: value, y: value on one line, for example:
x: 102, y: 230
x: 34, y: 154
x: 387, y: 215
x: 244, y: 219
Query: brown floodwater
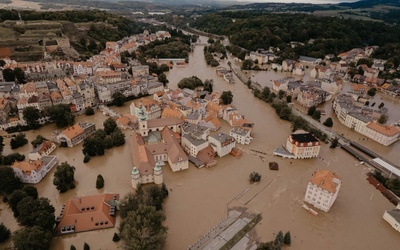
x: 198, y: 197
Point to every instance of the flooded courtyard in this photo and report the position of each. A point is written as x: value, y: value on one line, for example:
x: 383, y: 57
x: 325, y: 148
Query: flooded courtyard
x: 198, y: 198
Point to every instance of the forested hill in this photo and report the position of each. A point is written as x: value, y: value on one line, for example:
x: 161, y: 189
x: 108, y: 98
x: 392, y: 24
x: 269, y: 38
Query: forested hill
x: 370, y: 3
x: 332, y: 35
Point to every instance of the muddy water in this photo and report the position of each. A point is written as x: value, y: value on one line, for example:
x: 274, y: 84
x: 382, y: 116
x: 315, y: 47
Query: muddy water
x: 198, y: 197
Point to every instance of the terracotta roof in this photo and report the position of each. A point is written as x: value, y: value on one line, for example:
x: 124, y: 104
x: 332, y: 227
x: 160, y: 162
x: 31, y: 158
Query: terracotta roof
x: 142, y: 159
x: 385, y: 130
x: 28, y: 166
x: 175, y: 151
x: 168, y: 112
x: 73, y: 131
x: 146, y: 103
x: 5, y: 52
x: 83, y: 213
x: 163, y: 122
x: 28, y: 87
x: 325, y: 179
x: 55, y: 95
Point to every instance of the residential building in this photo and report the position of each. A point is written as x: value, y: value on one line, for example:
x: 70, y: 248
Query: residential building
x: 303, y: 145
x: 382, y: 134
x: 222, y: 143
x: 195, y: 130
x: 193, y: 145
x: 242, y: 135
x: 322, y: 189
x: 393, y: 217
x: 44, y: 149
x: 87, y: 213
x: 76, y: 134
x: 33, y: 171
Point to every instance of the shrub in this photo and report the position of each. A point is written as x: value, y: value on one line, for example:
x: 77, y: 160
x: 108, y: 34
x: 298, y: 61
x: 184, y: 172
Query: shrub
x: 255, y: 177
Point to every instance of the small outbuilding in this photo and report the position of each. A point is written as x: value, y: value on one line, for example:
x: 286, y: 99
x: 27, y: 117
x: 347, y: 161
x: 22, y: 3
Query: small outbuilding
x: 273, y: 166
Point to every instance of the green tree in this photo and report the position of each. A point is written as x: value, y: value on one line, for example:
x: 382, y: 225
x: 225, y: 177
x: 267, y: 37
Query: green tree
x: 281, y: 94
x: 328, y: 122
x: 1, y: 144
x: 11, y: 158
x: 227, y: 97
x: 86, y: 246
x: 255, y: 177
x: 383, y: 119
x: 32, y: 238
x: 72, y: 247
x: 190, y: 83
x: 18, y: 141
x: 89, y: 111
x: 2, y: 63
x: 334, y: 143
x: 8, y: 75
x: 99, y: 182
x: 61, y: 114
x: 14, y: 198
x: 38, y: 140
x: 317, y: 115
x: 289, y: 99
x: 64, y: 177
x: 311, y: 110
x: 278, y: 239
x: 36, y: 212
x: 31, y: 191
x: 19, y: 75
x: 31, y: 116
x: 209, y: 85
x: 116, y: 237
x: 86, y: 159
x: 118, y: 138
x: 371, y: 92
x: 119, y: 99
x: 4, y: 233
x: 93, y: 146
x: 381, y: 105
x: 144, y: 229
x: 109, y: 125
x: 163, y: 78
x: 247, y: 64
x: 287, y: 239
x: 8, y: 181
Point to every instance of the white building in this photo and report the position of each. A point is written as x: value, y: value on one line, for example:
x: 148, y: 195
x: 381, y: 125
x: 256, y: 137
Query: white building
x: 44, y: 149
x: 193, y: 145
x: 33, y: 171
x: 322, y: 189
x: 393, y: 217
x: 303, y: 145
x: 222, y: 143
x: 242, y: 135
x: 76, y: 134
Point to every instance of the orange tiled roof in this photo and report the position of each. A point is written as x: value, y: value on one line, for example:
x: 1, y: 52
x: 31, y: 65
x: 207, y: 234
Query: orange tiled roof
x: 385, y: 130
x: 73, y: 131
x: 168, y: 112
x: 28, y: 166
x: 324, y: 179
x: 88, y: 213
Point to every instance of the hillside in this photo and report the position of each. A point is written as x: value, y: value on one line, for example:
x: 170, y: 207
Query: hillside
x: 54, y: 33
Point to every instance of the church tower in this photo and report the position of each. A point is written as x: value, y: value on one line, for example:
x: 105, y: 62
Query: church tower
x: 136, y: 179
x: 158, y: 174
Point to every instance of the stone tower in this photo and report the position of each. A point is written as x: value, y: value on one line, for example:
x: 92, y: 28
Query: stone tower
x: 158, y: 174
x: 135, y: 177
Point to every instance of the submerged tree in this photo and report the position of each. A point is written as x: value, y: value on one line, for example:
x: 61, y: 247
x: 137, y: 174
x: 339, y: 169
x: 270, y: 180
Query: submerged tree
x: 255, y: 177
x: 64, y: 177
x: 143, y: 229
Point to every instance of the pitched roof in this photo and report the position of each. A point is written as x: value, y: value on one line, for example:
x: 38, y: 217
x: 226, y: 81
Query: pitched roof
x: 325, y: 179
x: 73, y: 131
x: 168, y: 112
x: 142, y: 159
x: 28, y: 166
x: 88, y: 213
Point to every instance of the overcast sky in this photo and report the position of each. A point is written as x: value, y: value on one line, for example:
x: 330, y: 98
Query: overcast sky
x: 298, y: 1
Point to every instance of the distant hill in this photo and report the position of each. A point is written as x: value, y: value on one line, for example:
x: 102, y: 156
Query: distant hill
x: 371, y: 3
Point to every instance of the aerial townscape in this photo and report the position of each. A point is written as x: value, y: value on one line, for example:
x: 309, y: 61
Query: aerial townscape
x: 199, y: 124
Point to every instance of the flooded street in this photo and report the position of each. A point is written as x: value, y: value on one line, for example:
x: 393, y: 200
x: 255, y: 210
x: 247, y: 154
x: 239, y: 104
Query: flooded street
x: 198, y: 197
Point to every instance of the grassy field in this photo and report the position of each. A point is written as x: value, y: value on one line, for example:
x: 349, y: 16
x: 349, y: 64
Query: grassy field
x: 7, y: 34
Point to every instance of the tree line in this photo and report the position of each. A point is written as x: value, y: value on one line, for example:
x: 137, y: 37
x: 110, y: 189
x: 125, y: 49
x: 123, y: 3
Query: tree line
x: 330, y: 35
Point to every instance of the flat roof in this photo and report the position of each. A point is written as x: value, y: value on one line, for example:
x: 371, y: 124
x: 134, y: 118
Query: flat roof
x: 387, y: 166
